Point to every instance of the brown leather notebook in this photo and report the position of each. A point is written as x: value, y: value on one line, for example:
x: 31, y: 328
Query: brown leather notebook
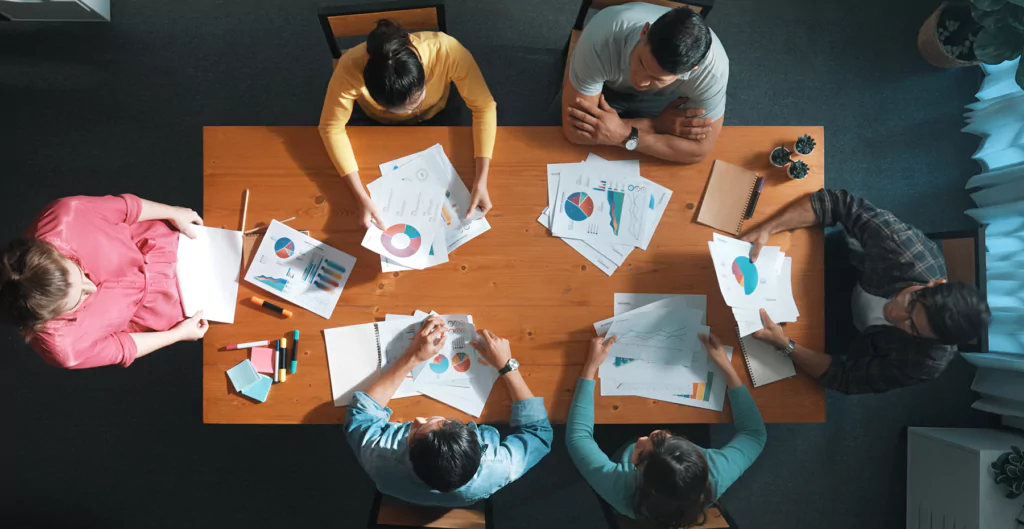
x: 730, y: 190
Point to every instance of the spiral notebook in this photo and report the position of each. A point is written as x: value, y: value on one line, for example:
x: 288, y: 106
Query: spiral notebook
x: 764, y: 363
x: 730, y: 190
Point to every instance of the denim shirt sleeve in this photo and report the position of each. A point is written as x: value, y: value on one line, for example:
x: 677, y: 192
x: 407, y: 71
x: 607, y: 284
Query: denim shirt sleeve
x: 367, y: 428
x: 531, y: 436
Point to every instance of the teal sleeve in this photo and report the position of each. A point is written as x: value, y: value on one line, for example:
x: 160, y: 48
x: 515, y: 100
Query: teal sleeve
x: 729, y: 463
x: 613, y: 482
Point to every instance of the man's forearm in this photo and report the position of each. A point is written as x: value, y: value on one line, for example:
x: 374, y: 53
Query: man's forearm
x: 517, y: 387
x: 671, y: 148
x: 813, y: 362
x: 798, y: 214
x: 384, y: 388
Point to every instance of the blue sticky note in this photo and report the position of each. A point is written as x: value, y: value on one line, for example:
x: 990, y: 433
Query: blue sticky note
x: 243, y: 375
x: 258, y: 390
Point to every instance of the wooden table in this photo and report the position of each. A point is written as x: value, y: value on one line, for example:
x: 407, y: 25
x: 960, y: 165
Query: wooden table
x: 516, y: 280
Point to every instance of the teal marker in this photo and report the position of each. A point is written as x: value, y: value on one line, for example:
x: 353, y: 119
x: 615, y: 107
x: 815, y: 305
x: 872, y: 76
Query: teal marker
x: 295, y: 353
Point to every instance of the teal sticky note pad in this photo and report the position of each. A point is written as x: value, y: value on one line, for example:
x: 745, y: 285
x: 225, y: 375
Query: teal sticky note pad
x: 258, y: 390
x: 243, y: 375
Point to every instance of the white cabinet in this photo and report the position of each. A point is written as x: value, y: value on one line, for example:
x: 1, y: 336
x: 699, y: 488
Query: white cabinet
x: 56, y: 10
x: 950, y: 484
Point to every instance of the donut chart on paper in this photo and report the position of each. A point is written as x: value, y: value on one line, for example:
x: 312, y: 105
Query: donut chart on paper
x: 439, y: 364
x: 284, y: 247
x: 401, y: 240
x: 460, y: 362
x: 579, y: 206
x: 745, y: 273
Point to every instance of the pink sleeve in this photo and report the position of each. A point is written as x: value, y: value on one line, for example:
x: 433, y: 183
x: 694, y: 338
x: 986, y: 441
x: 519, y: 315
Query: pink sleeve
x: 123, y: 209
x: 61, y: 350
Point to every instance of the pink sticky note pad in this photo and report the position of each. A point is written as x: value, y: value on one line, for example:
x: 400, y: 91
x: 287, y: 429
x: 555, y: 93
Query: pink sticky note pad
x: 263, y: 359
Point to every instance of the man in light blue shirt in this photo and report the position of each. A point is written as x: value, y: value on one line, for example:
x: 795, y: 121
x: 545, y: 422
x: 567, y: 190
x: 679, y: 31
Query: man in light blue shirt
x: 648, y: 78
x: 439, y: 461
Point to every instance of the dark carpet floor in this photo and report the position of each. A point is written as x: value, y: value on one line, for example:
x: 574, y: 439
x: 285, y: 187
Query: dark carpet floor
x: 109, y: 108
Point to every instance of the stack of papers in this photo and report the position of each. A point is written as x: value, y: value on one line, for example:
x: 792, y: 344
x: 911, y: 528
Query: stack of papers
x: 603, y: 209
x: 249, y: 382
x: 750, y: 286
x: 424, y: 203
x: 657, y: 353
x: 457, y: 376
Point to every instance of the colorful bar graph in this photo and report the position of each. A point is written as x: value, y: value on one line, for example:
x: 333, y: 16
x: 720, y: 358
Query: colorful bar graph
x: 335, y: 266
x: 330, y: 273
x: 329, y: 281
x: 322, y: 286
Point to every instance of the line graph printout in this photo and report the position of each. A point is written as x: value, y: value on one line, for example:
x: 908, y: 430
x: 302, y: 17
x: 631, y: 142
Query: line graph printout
x: 592, y: 206
x: 665, y: 337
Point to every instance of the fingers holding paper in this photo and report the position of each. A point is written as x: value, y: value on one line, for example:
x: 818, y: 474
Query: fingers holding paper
x: 494, y: 349
x: 193, y: 328
x: 600, y: 346
x: 371, y: 214
x: 429, y: 340
x: 772, y: 333
x: 479, y: 202
x: 757, y: 237
x: 717, y: 354
x: 183, y: 219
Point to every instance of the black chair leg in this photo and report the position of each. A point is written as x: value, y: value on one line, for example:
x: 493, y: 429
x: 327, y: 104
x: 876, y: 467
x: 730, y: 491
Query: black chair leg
x: 374, y: 510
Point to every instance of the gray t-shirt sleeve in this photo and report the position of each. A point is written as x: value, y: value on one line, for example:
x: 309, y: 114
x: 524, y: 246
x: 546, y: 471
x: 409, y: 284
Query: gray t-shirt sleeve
x: 589, y: 66
x: 709, y: 94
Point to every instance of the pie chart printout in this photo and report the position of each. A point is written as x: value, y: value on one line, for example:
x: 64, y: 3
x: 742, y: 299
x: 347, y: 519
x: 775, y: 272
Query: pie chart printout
x: 460, y: 362
x: 439, y: 364
x: 284, y: 248
x: 402, y: 240
x: 745, y: 273
x: 579, y: 206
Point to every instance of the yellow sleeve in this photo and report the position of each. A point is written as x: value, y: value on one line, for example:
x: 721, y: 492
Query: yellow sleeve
x: 473, y: 89
x: 342, y: 93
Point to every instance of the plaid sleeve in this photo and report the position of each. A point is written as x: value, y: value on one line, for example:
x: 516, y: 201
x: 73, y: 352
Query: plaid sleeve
x: 899, y: 365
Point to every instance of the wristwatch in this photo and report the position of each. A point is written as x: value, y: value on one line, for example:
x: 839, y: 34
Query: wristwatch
x: 633, y: 140
x: 788, y: 350
x: 511, y: 365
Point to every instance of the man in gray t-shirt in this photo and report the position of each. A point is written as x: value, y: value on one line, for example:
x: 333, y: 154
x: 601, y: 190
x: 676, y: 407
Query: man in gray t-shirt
x: 647, y: 78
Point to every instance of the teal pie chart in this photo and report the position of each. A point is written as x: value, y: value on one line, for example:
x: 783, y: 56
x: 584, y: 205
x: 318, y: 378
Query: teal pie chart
x: 745, y: 273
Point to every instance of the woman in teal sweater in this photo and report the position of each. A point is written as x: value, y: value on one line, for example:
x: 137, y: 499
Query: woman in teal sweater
x: 663, y: 477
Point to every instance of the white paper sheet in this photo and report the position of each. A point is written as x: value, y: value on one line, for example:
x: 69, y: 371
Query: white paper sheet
x: 352, y: 360
x: 666, y: 336
x: 615, y: 253
x: 690, y: 391
x: 745, y: 284
x: 208, y: 269
x: 300, y: 269
x: 412, y: 212
x: 625, y: 302
x: 660, y: 195
x: 458, y: 230
x: 592, y: 206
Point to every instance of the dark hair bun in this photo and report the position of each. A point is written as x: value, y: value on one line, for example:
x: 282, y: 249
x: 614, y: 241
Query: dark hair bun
x: 386, y: 40
x: 393, y: 73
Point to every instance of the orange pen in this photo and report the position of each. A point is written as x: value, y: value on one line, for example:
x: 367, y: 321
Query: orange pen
x: 270, y: 306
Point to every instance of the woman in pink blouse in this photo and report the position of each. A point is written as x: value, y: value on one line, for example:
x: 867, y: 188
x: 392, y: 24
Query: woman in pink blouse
x: 93, y: 282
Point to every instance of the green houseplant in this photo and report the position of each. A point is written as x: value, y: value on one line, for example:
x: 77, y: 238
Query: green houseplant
x: 1009, y: 471
x: 798, y: 170
x: 1001, y: 37
x: 963, y: 33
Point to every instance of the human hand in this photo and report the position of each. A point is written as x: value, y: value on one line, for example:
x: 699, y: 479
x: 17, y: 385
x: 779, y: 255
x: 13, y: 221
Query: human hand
x: 370, y: 214
x: 757, y: 237
x: 717, y: 354
x: 429, y: 340
x: 599, y: 348
x: 479, y: 201
x: 494, y: 349
x: 183, y: 219
x: 772, y: 333
x: 598, y: 123
x: 191, y: 329
x: 682, y: 122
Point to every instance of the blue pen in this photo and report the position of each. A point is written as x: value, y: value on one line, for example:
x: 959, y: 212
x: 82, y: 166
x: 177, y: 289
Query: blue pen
x: 295, y: 353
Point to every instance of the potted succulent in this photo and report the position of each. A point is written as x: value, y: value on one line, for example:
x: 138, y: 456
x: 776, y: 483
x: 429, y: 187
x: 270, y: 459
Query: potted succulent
x: 964, y: 33
x: 781, y: 156
x: 798, y: 170
x: 1009, y: 471
x: 804, y: 145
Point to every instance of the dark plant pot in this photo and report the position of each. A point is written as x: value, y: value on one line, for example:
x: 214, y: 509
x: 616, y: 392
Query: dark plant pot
x: 780, y: 152
x: 931, y: 48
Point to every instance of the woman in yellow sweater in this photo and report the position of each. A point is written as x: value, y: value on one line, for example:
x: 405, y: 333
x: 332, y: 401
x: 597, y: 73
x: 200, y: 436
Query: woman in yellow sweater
x: 397, y: 77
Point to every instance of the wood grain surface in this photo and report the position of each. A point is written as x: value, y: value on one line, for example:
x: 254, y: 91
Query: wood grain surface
x: 516, y: 280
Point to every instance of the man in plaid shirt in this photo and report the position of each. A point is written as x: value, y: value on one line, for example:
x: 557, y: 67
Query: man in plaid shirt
x: 908, y: 317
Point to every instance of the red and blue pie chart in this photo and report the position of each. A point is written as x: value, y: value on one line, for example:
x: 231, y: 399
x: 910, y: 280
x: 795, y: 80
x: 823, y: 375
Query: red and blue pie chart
x: 460, y: 362
x: 579, y: 206
x: 439, y: 364
x: 284, y: 247
x: 401, y: 240
x: 745, y: 273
